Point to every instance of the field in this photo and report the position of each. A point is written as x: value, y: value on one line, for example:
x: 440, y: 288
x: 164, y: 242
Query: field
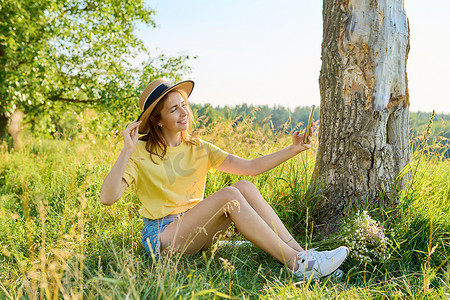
x: 58, y: 241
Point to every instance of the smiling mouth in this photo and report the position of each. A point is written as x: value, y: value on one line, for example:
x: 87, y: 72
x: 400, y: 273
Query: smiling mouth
x: 184, y: 121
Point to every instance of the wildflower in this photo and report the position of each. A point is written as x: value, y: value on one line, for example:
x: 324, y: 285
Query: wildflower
x: 365, y: 238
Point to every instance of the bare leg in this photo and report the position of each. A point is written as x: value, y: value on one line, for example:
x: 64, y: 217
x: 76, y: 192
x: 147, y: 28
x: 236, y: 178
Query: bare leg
x: 195, y: 229
x: 266, y: 212
x: 220, y: 231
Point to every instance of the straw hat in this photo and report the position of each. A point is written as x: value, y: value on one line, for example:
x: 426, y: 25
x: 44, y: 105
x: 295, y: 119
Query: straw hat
x: 153, y: 93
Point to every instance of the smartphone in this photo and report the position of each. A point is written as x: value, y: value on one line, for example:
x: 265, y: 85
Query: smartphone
x: 309, y: 124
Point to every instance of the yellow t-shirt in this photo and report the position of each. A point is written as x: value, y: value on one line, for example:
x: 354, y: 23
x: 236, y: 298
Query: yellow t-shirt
x: 175, y: 184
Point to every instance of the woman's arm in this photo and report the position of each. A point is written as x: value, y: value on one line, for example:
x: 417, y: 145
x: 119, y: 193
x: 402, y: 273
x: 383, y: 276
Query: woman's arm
x: 240, y: 166
x: 114, y: 185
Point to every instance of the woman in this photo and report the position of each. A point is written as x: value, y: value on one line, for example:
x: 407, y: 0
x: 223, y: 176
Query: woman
x: 168, y: 169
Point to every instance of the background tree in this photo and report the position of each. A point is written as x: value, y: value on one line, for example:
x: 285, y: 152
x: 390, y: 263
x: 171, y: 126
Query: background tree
x: 364, y: 131
x: 56, y: 54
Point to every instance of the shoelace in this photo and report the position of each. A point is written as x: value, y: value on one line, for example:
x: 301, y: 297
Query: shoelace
x: 310, y: 254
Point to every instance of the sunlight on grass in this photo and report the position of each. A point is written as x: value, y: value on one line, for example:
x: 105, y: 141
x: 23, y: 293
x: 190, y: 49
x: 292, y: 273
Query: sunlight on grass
x: 58, y: 241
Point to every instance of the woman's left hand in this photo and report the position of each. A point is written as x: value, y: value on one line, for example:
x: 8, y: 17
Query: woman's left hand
x: 298, y: 144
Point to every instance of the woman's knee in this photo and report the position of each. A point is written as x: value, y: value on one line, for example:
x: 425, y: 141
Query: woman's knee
x: 230, y: 192
x: 230, y: 197
x: 244, y: 185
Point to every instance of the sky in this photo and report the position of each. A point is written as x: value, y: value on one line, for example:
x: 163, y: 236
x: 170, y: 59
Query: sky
x: 268, y: 52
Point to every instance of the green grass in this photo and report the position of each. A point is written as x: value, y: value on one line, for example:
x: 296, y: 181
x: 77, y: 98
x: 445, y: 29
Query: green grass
x: 58, y: 241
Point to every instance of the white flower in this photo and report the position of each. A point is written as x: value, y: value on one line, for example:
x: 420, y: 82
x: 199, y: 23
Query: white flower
x: 365, y: 238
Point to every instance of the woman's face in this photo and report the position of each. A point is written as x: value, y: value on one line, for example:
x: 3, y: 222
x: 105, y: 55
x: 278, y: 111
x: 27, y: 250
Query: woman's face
x: 174, y: 114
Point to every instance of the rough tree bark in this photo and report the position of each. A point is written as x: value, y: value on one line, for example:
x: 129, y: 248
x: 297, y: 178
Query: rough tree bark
x: 364, y: 117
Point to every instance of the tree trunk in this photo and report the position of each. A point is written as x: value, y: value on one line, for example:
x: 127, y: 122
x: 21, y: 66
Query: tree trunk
x: 364, y: 118
x: 3, y: 126
x: 15, y: 127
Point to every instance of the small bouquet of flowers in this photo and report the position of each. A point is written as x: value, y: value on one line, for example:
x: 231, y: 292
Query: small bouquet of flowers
x: 365, y: 238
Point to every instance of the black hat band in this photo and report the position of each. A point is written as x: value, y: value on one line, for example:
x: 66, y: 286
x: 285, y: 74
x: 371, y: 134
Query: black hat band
x: 154, y: 95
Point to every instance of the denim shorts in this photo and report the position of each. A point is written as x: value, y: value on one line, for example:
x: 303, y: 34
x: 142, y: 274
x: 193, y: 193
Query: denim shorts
x: 152, y: 231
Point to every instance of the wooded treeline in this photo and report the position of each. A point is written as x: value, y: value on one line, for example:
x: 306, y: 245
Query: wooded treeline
x: 279, y: 118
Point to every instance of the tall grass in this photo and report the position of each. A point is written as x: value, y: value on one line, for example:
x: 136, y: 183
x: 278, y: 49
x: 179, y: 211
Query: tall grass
x: 58, y: 241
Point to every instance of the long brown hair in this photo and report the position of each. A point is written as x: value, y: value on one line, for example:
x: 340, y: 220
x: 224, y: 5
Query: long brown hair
x: 156, y: 143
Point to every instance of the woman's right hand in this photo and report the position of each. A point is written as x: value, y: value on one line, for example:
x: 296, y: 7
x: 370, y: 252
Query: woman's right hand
x: 114, y: 185
x: 130, y: 135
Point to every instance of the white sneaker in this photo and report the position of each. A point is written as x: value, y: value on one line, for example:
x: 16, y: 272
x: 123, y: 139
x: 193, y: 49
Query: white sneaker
x: 317, y: 264
x: 337, y: 275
